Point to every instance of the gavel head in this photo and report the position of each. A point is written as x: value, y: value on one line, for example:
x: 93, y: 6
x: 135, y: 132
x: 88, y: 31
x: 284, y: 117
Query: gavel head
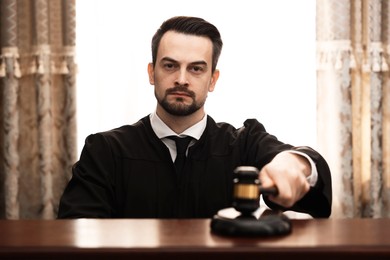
x: 246, y: 194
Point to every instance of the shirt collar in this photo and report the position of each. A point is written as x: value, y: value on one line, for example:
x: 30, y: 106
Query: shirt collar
x: 162, y: 130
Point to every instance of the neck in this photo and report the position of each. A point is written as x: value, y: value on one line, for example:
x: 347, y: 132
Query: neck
x: 180, y: 123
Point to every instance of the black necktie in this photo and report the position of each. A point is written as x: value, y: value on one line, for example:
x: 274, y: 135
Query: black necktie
x: 181, y: 148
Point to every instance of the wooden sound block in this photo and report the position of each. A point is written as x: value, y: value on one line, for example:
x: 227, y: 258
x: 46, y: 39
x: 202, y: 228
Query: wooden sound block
x: 229, y: 222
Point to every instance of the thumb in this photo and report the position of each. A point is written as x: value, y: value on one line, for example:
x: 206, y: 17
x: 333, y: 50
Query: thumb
x: 265, y: 179
x: 267, y: 185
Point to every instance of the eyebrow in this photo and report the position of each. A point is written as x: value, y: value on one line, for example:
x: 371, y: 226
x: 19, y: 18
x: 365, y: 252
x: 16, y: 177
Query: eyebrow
x: 201, y: 62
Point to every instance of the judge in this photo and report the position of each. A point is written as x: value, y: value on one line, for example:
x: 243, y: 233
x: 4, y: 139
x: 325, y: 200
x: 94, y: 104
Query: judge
x: 178, y: 162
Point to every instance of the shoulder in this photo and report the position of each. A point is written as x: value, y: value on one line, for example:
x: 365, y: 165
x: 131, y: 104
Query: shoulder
x: 126, y: 130
x: 123, y: 135
x: 249, y: 126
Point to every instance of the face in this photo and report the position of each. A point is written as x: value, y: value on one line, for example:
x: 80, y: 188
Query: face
x: 182, y: 74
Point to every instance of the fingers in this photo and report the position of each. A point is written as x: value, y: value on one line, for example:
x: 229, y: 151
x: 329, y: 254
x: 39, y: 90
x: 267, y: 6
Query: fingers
x: 288, y: 173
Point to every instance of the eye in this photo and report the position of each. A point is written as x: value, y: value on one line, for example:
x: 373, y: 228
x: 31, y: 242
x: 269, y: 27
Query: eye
x: 169, y: 66
x: 197, y: 69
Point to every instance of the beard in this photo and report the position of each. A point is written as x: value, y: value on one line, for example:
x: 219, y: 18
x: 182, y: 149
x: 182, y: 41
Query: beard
x: 178, y: 108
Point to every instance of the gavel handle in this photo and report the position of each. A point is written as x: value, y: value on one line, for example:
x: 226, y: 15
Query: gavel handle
x: 269, y: 191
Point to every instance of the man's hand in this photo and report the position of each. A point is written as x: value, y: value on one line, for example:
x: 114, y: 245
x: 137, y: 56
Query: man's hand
x: 288, y: 173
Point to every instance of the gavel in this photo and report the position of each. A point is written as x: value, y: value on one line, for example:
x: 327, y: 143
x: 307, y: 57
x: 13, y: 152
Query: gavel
x: 247, y: 190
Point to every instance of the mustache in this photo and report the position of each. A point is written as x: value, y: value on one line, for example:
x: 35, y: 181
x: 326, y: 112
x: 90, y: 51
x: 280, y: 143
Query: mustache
x: 180, y: 88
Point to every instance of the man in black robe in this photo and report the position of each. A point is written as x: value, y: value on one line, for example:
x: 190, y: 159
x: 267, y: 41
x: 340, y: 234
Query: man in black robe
x: 129, y: 172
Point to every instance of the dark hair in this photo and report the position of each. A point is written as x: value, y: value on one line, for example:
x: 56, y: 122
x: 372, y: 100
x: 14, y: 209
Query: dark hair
x: 192, y: 26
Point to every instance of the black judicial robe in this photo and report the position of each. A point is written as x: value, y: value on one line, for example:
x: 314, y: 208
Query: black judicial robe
x: 128, y: 173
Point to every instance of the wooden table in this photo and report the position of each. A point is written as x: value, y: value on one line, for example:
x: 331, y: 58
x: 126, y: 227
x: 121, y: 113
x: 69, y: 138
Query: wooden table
x: 190, y: 239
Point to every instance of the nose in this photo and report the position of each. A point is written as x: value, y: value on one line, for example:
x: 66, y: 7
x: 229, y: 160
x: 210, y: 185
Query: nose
x: 182, y: 78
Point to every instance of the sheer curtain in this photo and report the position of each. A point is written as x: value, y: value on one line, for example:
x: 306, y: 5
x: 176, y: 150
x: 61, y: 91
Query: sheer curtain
x: 37, y: 105
x: 353, y: 103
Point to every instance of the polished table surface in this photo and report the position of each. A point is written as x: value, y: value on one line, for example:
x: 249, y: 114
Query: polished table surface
x: 190, y: 239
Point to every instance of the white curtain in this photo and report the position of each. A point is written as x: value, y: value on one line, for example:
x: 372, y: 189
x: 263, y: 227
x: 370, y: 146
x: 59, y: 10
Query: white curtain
x: 353, y: 38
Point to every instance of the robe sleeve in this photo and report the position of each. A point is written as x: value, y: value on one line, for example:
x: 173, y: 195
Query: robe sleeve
x: 90, y: 192
x: 261, y: 147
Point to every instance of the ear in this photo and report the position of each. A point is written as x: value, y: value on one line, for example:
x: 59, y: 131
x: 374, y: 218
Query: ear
x: 151, y: 73
x: 214, y: 80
